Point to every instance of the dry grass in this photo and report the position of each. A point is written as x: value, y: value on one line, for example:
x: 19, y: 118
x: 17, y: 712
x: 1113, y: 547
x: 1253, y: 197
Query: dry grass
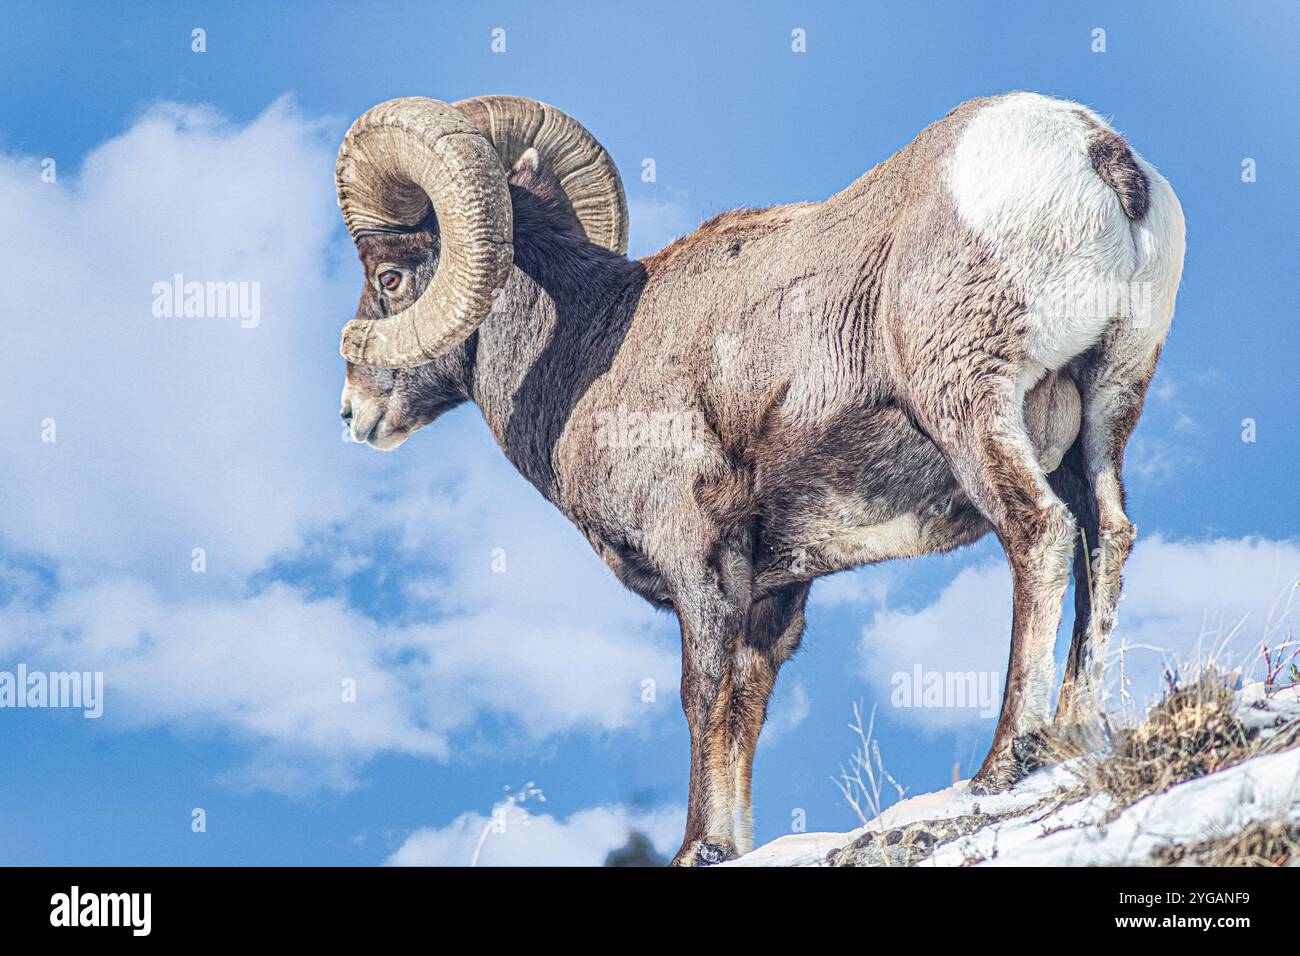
x: 1193, y: 731
x: 1196, y: 729
x: 1262, y: 843
x: 865, y: 781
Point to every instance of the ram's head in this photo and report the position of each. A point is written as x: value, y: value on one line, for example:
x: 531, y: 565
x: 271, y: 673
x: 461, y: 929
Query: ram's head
x: 425, y: 190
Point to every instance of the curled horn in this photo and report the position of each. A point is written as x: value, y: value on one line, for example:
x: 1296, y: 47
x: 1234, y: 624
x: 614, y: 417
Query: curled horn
x: 399, y: 159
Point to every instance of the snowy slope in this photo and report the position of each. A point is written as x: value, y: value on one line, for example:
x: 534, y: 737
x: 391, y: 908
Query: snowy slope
x: 1034, y: 825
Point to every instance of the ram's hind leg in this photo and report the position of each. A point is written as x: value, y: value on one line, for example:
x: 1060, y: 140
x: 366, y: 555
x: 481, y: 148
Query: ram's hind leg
x: 1113, y: 377
x: 1112, y: 386
x: 976, y: 419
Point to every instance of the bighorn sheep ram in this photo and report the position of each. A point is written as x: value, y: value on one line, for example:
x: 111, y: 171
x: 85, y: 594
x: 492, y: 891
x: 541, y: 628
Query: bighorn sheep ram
x: 934, y: 352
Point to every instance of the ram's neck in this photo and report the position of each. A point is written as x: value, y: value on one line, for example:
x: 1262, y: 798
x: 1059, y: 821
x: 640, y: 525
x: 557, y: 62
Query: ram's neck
x: 554, y: 329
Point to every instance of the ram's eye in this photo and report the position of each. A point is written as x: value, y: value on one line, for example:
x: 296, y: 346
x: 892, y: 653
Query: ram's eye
x: 390, y: 280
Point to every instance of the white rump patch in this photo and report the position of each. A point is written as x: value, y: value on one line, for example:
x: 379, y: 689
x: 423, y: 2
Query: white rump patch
x: 1021, y: 179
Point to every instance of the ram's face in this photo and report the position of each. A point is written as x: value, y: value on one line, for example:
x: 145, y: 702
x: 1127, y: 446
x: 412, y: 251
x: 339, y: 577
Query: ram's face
x: 423, y: 191
x: 382, y: 407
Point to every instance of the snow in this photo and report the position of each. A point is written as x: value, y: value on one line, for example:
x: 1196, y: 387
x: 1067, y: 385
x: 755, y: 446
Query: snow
x: 1024, y: 828
x: 1224, y: 802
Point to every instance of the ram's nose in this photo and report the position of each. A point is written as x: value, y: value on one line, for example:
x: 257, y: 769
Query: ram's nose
x: 362, y: 417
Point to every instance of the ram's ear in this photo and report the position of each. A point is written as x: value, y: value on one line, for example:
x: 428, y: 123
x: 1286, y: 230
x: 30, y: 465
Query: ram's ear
x: 529, y: 172
x: 532, y: 173
x: 530, y: 161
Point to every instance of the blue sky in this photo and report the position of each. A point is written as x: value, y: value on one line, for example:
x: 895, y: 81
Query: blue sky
x: 327, y: 562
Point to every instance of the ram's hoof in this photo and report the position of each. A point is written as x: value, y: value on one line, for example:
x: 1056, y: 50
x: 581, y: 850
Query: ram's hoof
x: 1004, y: 770
x: 708, y: 852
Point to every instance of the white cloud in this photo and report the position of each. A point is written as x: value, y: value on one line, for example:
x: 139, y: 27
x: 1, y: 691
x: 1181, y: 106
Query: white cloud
x: 516, y: 837
x: 1160, y: 447
x: 1157, y: 453
x: 174, y: 433
x: 964, y: 630
x: 270, y: 667
x: 1187, y: 597
x: 1180, y: 598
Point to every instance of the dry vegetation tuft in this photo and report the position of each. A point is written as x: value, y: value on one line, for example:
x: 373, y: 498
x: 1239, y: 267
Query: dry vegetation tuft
x: 1196, y: 729
x: 1192, y: 732
x: 1262, y: 843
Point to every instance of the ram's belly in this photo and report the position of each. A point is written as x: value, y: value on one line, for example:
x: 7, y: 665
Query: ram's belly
x: 828, y: 548
x: 887, y: 493
x: 899, y: 537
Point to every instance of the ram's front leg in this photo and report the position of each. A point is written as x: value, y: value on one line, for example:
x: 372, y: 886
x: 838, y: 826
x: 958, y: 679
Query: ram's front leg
x: 726, y: 716
x: 773, y: 633
x: 719, y: 690
x: 708, y: 636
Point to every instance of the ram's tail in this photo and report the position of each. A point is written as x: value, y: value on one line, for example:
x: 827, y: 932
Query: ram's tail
x: 1117, y: 168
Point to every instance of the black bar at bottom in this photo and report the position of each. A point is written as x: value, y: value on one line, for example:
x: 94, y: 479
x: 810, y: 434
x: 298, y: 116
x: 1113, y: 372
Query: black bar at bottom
x: 330, y: 905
